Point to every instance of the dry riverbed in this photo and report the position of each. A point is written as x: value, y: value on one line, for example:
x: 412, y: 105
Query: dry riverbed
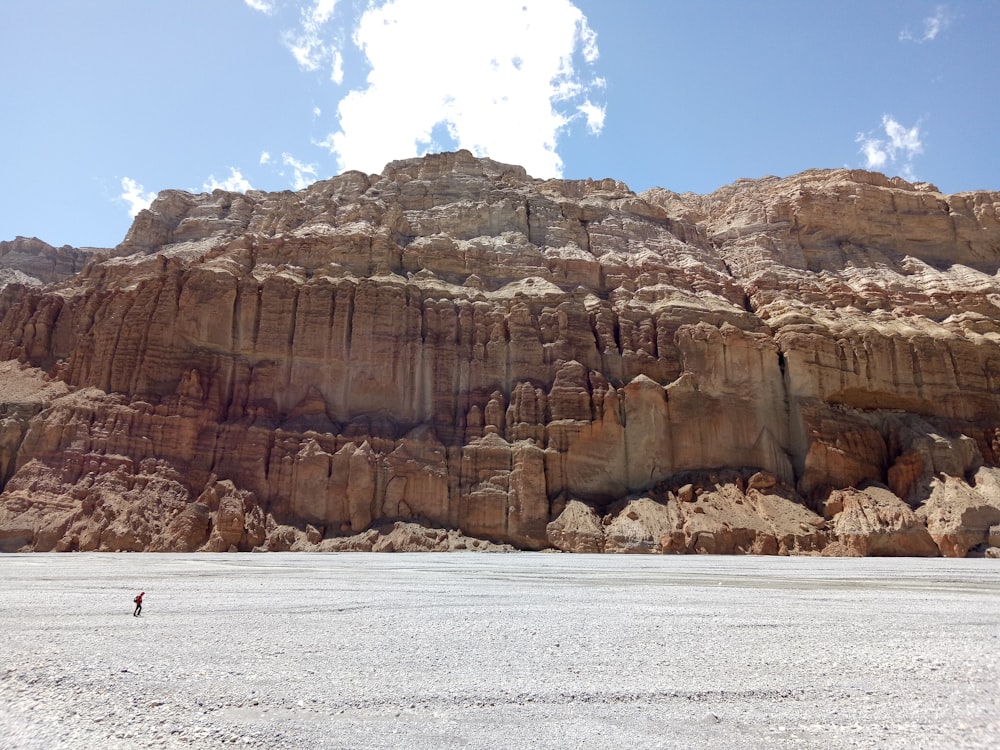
x: 435, y: 651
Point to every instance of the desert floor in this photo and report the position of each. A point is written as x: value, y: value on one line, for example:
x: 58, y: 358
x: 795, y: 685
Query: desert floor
x: 520, y: 650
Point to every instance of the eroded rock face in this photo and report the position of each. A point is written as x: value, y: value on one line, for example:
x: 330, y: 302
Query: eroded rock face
x: 29, y: 261
x: 962, y: 518
x: 875, y: 522
x: 456, y: 345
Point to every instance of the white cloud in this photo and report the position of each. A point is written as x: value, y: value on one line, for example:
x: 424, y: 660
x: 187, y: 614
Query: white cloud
x: 263, y: 6
x: 595, y: 116
x: 235, y: 183
x: 930, y: 28
x: 322, y: 10
x: 902, y: 138
x: 875, y: 155
x: 303, y: 174
x: 265, y: 158
x: 135, y: 196
x: 499, y: 78
x: 337, y: 72
x: 898, y: 149
x: 309, y: 45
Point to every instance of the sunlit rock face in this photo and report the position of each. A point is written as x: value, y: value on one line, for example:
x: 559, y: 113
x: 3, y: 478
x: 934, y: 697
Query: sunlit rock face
x: 785, y: 365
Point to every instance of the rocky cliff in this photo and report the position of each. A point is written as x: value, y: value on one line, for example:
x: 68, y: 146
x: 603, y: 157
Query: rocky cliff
x: 797, y: 365
x: 29, y: 261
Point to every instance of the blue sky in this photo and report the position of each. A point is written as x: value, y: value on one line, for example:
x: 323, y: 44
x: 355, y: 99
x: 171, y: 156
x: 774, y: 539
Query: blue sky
x: 106, y: 102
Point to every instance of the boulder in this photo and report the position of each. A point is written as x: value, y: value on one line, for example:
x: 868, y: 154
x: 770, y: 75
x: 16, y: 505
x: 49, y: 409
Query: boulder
x: 875, y: 522
x: 577, y: 528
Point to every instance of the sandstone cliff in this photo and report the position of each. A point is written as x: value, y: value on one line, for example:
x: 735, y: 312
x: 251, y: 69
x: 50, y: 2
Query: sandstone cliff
x: 28, y: 260
x: 789, y: 365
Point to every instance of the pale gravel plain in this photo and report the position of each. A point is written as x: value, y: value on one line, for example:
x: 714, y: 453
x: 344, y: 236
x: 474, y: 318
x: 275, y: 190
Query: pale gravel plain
x: 497, y: 651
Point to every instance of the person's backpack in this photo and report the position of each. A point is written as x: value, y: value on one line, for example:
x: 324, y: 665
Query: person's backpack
x: 136, y: 600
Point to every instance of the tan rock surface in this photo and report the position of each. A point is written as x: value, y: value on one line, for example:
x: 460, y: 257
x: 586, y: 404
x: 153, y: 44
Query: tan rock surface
x: 707, y: 515
x: 639, y: 526
x: 577, y: 528
x: 725, y: 520
x: 874, y: 521
x: 29, y: 261
x: 961, y: 517
x: 456, y: 344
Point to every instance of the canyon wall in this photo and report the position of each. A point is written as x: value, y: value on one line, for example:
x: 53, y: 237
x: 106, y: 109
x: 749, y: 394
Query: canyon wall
x: 797, y: 365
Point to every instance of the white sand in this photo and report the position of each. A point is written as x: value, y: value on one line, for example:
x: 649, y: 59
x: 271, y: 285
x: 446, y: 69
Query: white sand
x: 497, y: 651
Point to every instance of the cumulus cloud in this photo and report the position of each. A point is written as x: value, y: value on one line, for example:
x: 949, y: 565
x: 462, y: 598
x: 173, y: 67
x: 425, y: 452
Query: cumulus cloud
x: 135, y: 196
x: 930, y: 27
x: 895, y: 148
x: 235, y: 183
x: 303, y: 174
x: 503, y: 79
x: 265, y: 158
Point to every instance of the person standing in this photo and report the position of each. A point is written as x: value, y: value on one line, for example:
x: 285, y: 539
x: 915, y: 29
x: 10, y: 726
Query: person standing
x: 138, y: 604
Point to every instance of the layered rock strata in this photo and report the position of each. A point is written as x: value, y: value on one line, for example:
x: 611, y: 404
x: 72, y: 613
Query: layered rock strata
x: 29, y: 261
x: 783, y: 366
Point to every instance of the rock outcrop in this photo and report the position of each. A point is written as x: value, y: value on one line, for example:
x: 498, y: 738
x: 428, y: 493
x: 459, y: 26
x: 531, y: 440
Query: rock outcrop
x: 29, y: 261
x: 783, y: 366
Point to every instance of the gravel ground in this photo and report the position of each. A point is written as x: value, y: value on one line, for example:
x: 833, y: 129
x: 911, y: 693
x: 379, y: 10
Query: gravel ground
x: 507, y: 650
